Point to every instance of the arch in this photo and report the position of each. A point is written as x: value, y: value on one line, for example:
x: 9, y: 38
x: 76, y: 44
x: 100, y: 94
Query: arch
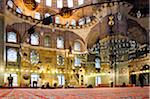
x: 82, y: 47
x: 11, y: 29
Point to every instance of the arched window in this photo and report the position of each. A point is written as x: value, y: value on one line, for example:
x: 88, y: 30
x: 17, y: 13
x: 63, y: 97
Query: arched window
x: 11, y: 55
x: 47, y: 15
x: 34, y: 39
x: 57, y: 20
x: 37, y: 16
x: 77, y: 46
x: 80, y: 2
x: 34, y: 57
x: 60, y: 42
x: 49, y: 3
x: 60, y: 60
x: 19, y: 10
x: 88, y: 20
x: 70, y: 3
x: 77, y: 61
x: 10, y: 3
x: 81, y: 21
x: 11, y: 37
x: 59, y: 3
x: 73, y: 22
x: 47, y: 41
x: 97, y: 63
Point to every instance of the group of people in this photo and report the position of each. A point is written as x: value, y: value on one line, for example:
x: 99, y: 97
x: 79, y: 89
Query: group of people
x: 10, y: 81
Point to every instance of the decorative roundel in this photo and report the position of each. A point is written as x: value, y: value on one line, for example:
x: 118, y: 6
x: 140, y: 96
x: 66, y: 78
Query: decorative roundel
x: 26, y: 76
x: 123, y: 71
x: 30, y: 4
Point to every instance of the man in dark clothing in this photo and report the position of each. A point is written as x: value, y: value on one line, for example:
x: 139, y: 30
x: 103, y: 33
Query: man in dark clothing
x: 141, y: 79
x: 34, y: 84
x: 10, y: 81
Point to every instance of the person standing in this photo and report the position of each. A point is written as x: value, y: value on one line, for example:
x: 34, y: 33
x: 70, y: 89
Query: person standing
x: 141, y: 79
x: 10, y: 81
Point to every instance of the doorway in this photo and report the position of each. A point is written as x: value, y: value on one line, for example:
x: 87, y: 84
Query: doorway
x: 97, y: 80
x: 34, y: 80
x: 15, y: 78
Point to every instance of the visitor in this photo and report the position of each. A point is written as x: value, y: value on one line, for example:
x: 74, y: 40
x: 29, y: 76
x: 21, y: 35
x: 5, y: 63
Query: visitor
x: 123, y: 84
x: 10, y: 81
x: 66, y: 84
x: 35, y: 84
x: 47, y: 85
x: 141, y: 79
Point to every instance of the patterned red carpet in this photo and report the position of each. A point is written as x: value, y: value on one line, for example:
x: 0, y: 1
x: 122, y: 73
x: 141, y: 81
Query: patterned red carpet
x: 94, y: 93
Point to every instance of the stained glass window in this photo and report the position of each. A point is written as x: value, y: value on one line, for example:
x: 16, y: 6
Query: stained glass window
x: 80, y: 2
x: 47, y: 41
x: 38, y: 1
x: 81, y: 21
x: 10, y: 3
x: 77, y: 46
x: 49, y: 3
x: 59, y: 3
x: 60, y: 42
x: 57, y: 21
x: 37, y: 16
x: 97, y: 63
x: 35, y: 39
x: 60, y: 60
x: 73, y: 22
x: 11, y: 37
x: 77, y: 61
x: 88, y: 20
x: 34, y: 57
x: 11, y: 55
x: 19, y: 10
x: 70, y: 3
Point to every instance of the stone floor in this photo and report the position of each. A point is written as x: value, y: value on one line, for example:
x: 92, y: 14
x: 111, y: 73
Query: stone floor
x: 94, y: 93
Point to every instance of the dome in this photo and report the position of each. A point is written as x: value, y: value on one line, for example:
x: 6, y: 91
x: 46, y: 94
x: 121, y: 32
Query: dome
x: 39, y: 9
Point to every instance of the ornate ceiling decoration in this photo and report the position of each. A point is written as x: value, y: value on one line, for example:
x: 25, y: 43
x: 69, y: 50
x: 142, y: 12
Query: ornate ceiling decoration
x: 30, y: 4
x: 65, y: 12
x: 140, y: 8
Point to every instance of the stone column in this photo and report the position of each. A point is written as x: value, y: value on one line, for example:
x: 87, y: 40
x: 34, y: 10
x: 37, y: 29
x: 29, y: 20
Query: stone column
x: 1, y: 50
